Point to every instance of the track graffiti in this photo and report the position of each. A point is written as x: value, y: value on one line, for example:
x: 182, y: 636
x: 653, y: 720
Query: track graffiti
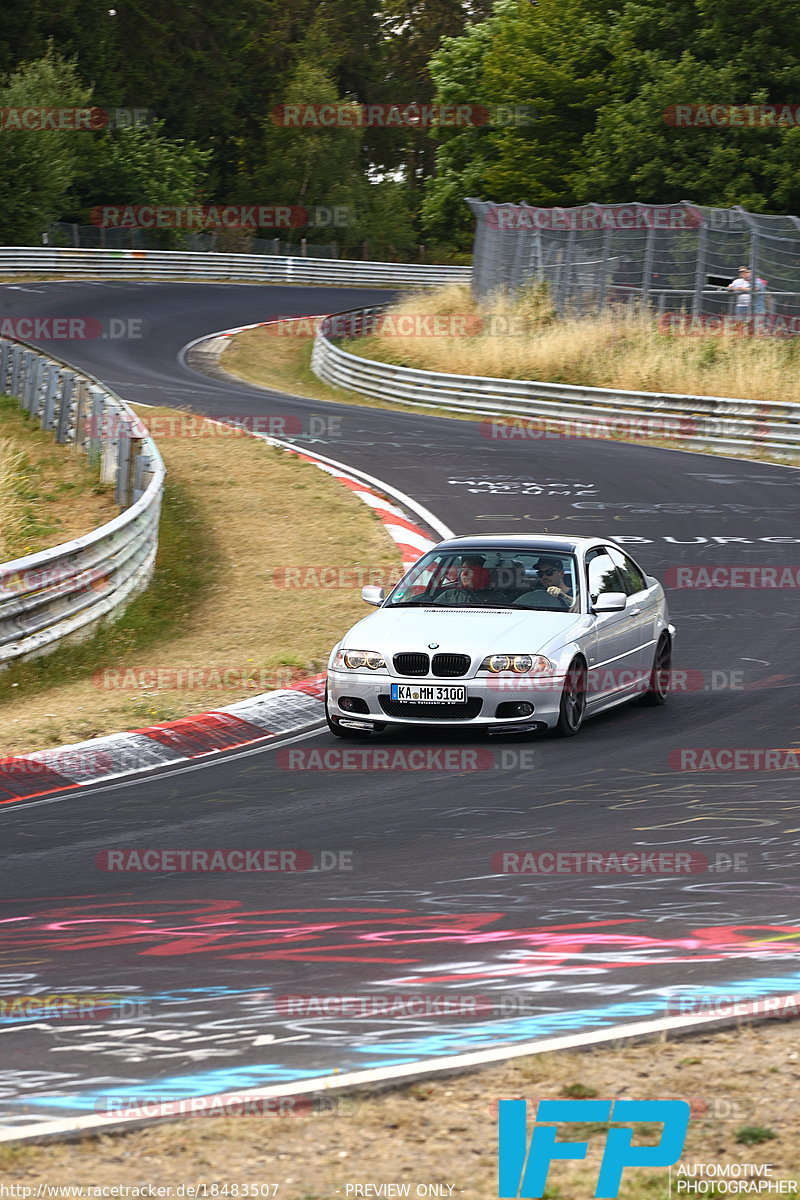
x: 225, y: 929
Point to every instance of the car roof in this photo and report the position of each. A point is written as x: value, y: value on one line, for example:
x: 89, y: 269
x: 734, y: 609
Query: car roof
x: 523, y: 541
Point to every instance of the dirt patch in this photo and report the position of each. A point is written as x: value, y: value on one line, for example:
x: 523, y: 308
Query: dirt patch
x: 246, y: 514
x: 445, y: 1132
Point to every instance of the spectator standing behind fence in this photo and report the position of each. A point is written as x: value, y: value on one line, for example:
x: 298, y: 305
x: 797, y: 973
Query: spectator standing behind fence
x: 742, y: 287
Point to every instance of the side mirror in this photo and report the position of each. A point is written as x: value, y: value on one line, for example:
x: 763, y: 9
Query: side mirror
x: 609, y: 602
x: 373, y: 595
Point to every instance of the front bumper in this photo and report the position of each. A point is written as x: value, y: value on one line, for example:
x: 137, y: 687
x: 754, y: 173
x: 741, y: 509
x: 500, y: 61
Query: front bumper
x: 485, y: 696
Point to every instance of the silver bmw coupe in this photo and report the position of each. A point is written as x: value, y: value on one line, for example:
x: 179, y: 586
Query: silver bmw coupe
x: 506, y: 634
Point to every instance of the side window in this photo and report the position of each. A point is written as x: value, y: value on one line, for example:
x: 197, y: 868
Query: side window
x: 602, y: 574
x: 630, y: 574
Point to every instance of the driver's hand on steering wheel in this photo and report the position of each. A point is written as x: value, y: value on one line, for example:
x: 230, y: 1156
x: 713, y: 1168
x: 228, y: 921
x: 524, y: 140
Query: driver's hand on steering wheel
x: 556, y: 591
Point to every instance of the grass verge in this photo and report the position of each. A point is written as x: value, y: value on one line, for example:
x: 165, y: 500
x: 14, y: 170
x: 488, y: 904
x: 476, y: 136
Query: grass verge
x: 48, y: 492
x: 217, y: 623
x: 283, y: 363
x: 742, y: 1086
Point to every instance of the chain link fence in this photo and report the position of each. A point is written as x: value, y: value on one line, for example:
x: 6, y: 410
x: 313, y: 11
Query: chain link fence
x: 673, y: 258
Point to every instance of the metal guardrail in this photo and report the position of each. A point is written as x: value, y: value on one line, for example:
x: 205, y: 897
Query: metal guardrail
x: 178, y: 264
x: 66, y: 589
x: 701, y: 422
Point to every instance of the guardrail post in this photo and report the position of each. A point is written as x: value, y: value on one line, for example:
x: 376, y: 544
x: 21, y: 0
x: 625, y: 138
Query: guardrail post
x: 5, y: 359
x: 94, y: 438
x: 51, y: 384
x: 124, y: 472
x: 65, y: 406
x: 35, y: 393
x: 16, y: 367
x: 78, y: 429
x: 135, y: 471
x: 110, y: 447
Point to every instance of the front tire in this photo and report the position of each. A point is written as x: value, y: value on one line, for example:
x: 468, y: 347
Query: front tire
x: 658, y: 684
x: 573, y: 700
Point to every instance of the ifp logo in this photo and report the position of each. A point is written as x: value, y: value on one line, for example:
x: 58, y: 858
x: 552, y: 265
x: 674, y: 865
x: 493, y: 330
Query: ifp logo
x: 523, y: 1171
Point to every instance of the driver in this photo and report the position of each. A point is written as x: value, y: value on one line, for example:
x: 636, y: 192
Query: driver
x: 551, y: 578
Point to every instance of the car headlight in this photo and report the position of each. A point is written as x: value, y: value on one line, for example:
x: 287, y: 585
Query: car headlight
x: 521, y: 664
x: 353, y: 660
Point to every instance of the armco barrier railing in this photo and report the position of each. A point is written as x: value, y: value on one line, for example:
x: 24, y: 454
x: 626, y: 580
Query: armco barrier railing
x: 700, y: 422
x: 67, y: 589
x: 261, y: 268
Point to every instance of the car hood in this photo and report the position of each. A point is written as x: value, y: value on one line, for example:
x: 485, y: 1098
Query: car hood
x: 468, y: 631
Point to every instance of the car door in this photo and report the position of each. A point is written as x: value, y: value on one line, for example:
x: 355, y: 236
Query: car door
x: 611, y: 671
x: 644, y: 605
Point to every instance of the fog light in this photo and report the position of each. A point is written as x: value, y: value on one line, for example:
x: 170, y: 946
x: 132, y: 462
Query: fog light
x: 514, y: 708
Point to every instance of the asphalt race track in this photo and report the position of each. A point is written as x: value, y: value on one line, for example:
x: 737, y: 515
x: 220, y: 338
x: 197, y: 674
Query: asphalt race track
x: 209, y: 962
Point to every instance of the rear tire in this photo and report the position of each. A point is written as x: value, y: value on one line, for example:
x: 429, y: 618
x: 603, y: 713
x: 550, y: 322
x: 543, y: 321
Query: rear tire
x: 658, y: 684
x: 573, y: 700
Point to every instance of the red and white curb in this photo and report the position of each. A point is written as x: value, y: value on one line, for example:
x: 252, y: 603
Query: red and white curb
x: 273, y: 714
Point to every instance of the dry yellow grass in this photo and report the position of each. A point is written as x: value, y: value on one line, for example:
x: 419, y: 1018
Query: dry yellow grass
x: 259, y: 510
x: 12, y: 516
x: 445, y: 1131
x: 524, y: 339
x: 48, y: 492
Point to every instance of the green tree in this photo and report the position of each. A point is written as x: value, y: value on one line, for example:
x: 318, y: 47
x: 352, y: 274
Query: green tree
x: 37, y: 167
x: 138, y: 165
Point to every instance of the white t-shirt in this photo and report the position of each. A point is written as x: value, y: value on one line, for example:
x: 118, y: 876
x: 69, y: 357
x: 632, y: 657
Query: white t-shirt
x: 742, y: 288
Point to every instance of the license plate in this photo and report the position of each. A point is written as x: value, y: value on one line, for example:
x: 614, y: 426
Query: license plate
x: 429, y: 693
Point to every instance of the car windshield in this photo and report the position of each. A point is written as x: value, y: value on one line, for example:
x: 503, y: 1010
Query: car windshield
x: 506, y: 578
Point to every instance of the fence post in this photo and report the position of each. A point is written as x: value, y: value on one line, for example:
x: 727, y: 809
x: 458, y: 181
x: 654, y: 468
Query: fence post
x: 601, y: 293
x: 700, y: 272
x: 647, y: 273
x: 754, y: 248
x: 5, y: 358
